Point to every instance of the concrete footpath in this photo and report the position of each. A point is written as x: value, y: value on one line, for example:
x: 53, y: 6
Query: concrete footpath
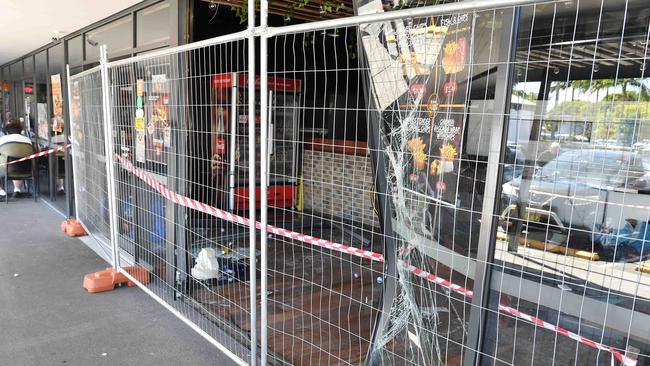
x: 47, y: 318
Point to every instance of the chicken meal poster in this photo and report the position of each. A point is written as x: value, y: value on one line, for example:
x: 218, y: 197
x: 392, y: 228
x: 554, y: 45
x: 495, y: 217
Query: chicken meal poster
x: 419, y: 75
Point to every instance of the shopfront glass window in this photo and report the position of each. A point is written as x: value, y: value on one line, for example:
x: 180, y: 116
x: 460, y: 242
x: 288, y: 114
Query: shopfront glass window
x: 435, y: 81
x: 40, y: 71
x: 28, y: 105
x: 153, y: 25
x: 117, y: 36
x: 5, y: 87
x: 40, y: 80
x: 56, y: 78
x: 567, y: 285
x: 15, y: 98
x: 55, y: 59
x: 16, y: 70
x: 75, y: 51
x: 28, y: 94
x: 28, y: 64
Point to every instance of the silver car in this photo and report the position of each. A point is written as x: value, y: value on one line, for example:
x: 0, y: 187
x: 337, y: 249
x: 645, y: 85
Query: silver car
x: 579, y: 194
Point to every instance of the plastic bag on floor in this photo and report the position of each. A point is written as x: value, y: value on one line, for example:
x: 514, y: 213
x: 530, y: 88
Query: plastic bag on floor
x: 206, y: 266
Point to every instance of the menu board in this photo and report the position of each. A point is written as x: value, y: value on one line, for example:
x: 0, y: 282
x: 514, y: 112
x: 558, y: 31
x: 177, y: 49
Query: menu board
x: 57, y: 104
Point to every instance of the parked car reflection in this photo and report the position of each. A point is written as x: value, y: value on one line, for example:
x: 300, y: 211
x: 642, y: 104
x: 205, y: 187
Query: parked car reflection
x: 589, y: 199
x: 513, y: 164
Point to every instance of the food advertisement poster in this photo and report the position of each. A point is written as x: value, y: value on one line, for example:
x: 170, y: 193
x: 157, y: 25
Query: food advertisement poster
x: 140, y: 134
x: 221, y: 115
x: 158, y: 125
x: 419, y: 74
x: 446, y: 106
x: 57, y: 104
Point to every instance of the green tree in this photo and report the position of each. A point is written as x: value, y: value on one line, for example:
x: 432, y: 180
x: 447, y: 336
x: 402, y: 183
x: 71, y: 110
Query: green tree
x: 589, y: 86
x: 620, y: 116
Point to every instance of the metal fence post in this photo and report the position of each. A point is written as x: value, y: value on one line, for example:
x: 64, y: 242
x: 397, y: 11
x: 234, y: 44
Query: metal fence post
x: 487, y: 233
x: 68, y: 175
x: 74, y: 184
x: 264, y: 135
x: 108, y: 142
x: 376, y: 143
x: 251, y: 181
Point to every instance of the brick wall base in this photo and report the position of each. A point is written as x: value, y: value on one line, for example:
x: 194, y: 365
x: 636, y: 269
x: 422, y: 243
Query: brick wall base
x: 339, y: 186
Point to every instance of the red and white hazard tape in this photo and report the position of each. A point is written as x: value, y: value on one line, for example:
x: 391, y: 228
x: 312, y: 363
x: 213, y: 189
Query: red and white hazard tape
x: 225, y: 215
x: 38, y: 155
x: 628, y: 361
x: 202, y: 207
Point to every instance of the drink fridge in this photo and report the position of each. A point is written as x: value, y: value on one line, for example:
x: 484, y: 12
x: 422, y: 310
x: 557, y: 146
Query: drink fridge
x: 230, y: 139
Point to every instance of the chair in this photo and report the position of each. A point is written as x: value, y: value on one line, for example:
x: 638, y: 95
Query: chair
x: 25, y: 170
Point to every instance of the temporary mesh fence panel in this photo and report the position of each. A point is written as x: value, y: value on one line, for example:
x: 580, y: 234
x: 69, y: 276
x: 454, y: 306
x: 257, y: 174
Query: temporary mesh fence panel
x: 464, y: 184
x: 434, y: 95
x: 568, y: 282
x: 383, y: 172
x: 172, y: 116
x: 322, y: 299
x: 89, y: 157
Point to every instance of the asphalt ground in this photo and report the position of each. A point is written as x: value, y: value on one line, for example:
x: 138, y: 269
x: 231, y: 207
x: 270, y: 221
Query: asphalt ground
x: 47, y: 318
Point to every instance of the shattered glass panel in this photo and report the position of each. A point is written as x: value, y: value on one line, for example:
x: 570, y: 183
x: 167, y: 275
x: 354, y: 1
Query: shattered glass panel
x: 427, y: 76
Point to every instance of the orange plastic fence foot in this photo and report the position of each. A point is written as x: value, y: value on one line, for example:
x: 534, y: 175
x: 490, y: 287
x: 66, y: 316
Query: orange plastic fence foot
x: 73, y: 228
x: 107, y: 279
x: 100, y: 281
x: 139, y: 273
x: 64, y: 225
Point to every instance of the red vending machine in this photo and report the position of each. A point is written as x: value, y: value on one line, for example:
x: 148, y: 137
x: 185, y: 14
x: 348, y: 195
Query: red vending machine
x: 230, y: 139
